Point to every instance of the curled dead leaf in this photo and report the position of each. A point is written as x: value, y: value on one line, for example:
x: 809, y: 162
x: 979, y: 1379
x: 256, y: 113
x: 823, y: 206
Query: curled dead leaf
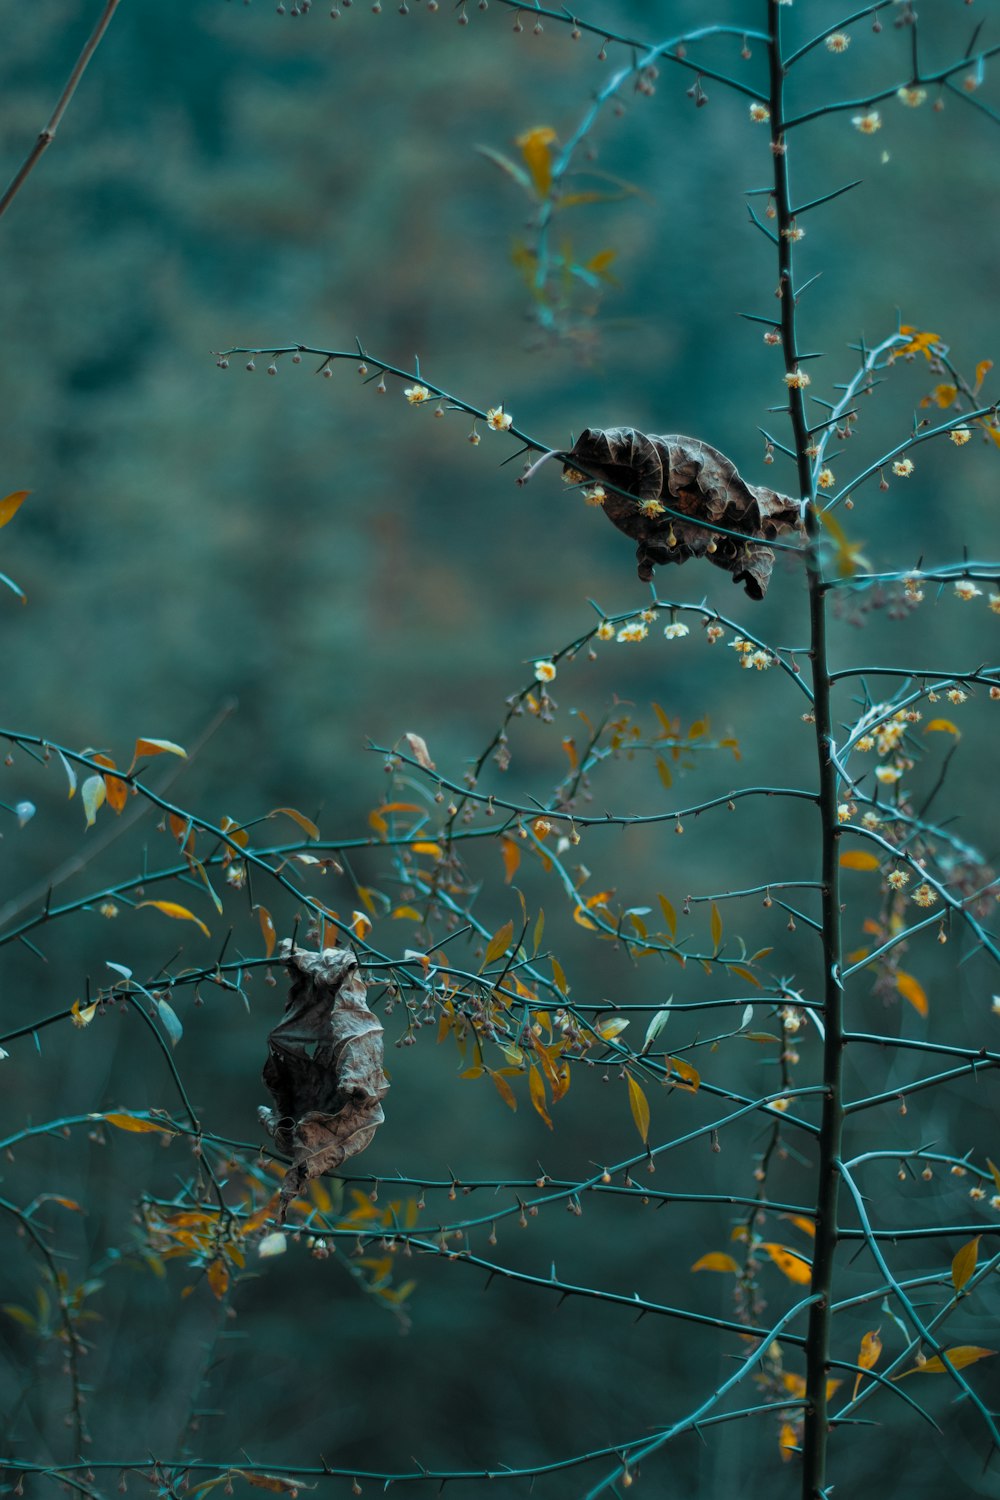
x: 324, y: 1068
x: 692, y: 479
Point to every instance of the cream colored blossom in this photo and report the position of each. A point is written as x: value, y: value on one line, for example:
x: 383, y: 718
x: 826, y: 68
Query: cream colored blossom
x: 897, y: 879
x: 758, y: 659
x: 995, y: 603
x: 648, y: 616
x: 869, y: 123
x: 844, y: 811
x: 956, y: 695
x: 545, y: 671
x: 960, y: 436
x: 966, y: 589
x: 605, y: 631
x: 912, y: 98
x: 865, y: 742
x: 797, y: 380
x: 741, y: 645
x: 837, y: 41
x: 674, y: 632
x: 925, y: 895
x: 888, y: 774
x: 903, y: 467
x: 871, y: 820
x: 596, y: 495
x: 652, y: 508
x: 417, y: 393
x: 825, y: 479
x: 715, y: 633
x: 635, y: 630
x: 759, y: 113
x: 498, y: 419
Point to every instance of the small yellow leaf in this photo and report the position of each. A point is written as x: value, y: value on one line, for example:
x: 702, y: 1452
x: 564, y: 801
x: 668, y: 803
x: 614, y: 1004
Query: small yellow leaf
x: 267, y: 930
x: 944, y: 395
x: 994, y: 1173
x: 260, y: 1216
x: 806, y: 1225
x: 639, y: 1105
x: 788, y: 1441
x: 911, y: 989
x: 943, y: 726
x: 536, y: 1089
x: 178, y: 913
x: 716, y: 927
x: 498, y: 943
x: 511, y: 856
x: 11, y: 504
x: 789, y: 1264
x: 690, y: 1075
x: 559, y: 976
x: 745, y: 974
x: 857, y: 859
x: 964, y: 1263
x: 569, y: 745
x: 133, y: 1123
x: 218, y: 1278
x: 361, y: 925
x: 409, y: 912
x: 716, y: 1261
x: 83, y: 1017
x: 868, y: 1356
x: 306, y: 824
x: 982, y: 370
x: 434, y: 850
x: 580, y: 916
x: 664, y: 772
x: 610, y: 1029
x: 959, y: 1357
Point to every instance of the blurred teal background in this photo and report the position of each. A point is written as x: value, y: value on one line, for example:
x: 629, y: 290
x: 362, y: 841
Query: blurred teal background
x: 348, y: 569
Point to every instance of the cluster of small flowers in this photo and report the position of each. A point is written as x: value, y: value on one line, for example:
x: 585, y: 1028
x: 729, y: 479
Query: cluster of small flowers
x: 965, y: 590
x: 634, y: 631
x: 750, y: 655
x: 846, y: 811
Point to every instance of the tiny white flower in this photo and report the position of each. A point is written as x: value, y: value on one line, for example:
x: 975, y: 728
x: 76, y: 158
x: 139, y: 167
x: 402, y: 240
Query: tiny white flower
x: 545, y: 671
x: 674, y: 632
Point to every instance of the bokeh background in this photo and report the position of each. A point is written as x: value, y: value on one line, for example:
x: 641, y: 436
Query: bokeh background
x: 344, y: 568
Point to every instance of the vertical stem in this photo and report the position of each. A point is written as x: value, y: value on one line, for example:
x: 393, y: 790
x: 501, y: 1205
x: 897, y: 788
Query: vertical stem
x: 814, y: 1482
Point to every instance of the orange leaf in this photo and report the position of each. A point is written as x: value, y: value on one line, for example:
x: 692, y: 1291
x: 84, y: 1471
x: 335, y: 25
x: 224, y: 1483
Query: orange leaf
x: 179, y: 913
x: 430, y: 848
x: 789, y: 1264
x: 639, y: 1105
x: 982, y: 370
x: 536, y: 1088
x: 132, y: 1122
x: 942, y: 725
x: 944, y: 395
x: 511, y: 855
x: 157, y: 747
x: 218, y: 1278
x: 570, y: 747
x: 11, y: 504
x: 267, y: 930
x: 559, y: 976
x: 964, y: 1263
x: 504, y: 1090
x: 670, y: 916
x: 580, y: 916
x: 260, y: 1216
x: 788, y: 1441
x: 716, y: 927
x: 868, y: 1356
x: 534, y: 146
x: 806, y: 1225
x: 716, y: 1261
x: 857, y: 859
x: 911, y: 989
x: 690, y: 1075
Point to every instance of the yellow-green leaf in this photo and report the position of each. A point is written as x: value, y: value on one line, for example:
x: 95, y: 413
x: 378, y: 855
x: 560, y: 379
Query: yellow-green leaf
x: 306, y: 824
x: 942, y: 726
x: 911, y: 989
x: 498, y: 943
x: 964, y: 1263
x: 178, y: 913
x: 716, y: 1261
x: 559, y: 976
x: 669, y: 915
x: 639, y: 1105
x: 745, y: 974
x: 93, y: 794
x: 789, y: 1264
x: 11, y: 504
x: 716, y: 927
x: 857, y: 859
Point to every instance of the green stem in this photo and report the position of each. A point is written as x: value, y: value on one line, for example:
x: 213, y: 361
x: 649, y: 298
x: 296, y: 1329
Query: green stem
x: 814, y: 1444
